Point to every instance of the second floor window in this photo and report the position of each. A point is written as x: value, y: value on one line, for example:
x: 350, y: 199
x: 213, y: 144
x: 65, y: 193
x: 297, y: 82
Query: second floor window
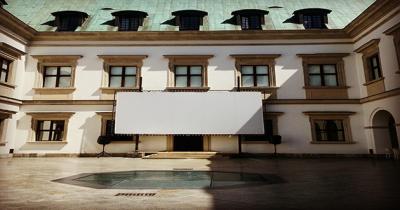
x: 188, y: 76
x: 57, y: 76
x: 329, y: 130
x: 49, y: 130
x: 255, y: 76
x: 122, y: 76
x: 322, y: 75
x: 4, y: 71
x: 374, y: 68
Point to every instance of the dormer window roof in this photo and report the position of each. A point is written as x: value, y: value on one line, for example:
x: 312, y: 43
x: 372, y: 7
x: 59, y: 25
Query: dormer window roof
x: 3, y: 2
x: 250, y: 19
x: 312, y: 18
x: 189, y: 20
x: 69, y: 20
x: 129, y: 20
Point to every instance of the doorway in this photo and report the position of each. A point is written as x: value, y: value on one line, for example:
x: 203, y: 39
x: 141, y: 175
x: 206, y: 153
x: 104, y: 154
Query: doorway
x: 188, y: 143
x: 384, y: 132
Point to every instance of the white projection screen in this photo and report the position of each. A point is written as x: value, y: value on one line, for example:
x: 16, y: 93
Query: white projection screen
x: 168, y: 113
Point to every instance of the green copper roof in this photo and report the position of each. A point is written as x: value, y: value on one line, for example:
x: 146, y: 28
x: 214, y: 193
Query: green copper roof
x: 37, y: 13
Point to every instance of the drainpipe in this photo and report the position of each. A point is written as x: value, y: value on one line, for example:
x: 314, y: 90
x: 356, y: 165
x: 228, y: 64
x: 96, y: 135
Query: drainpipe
x: 239, y: 136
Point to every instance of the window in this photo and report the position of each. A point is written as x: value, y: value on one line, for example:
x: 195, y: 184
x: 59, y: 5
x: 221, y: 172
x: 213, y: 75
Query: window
x: 329, y: 130
x: 311, y: 18
x: 190, y: 23
x: 189, y: 20
x: 250, y: 19
x: 122, y: 76
x: 69, y: 20
x: 313, y: 21
x: 268, y: 132
x: 322, y: 75
x: 330, y: 127
x: 188, y: 76
x: 50, y: 130
x: 255, y: 76
x: 251, y: 22
x: 374, y: 69
x: 4, y: 71
x: 374, y: 80
x: 57, y: 76
x: 129, y: 20
x: 187, y: 73
x: 109, y: 131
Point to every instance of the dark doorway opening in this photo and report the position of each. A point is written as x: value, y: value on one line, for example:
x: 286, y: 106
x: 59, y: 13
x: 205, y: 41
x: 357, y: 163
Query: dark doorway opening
x: 188, y: 143
x: 393, y: 133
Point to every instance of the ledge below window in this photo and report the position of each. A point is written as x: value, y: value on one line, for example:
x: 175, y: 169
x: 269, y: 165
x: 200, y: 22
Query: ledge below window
x: 255, y: 142
x: 326, y: 92
x: 107, y: 93
x: 47, y: 142
x: 187, y: 89
x: 375, y: 86
x: 66, y: 90
x: 332, y: 142
x: 7, y: 85
x: 268, y: 92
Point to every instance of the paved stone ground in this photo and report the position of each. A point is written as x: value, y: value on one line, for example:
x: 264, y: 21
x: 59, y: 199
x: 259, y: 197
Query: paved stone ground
x: 25, y: 183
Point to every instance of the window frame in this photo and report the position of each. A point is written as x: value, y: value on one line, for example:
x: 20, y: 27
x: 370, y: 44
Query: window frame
x: 134, y: 22
x: 74, y: 20
x: 251, y: 26
x: 52, y: 132
x: 107, y: 116
x: 48, y: 116
x: 195, y: 23
x: 344, y: 116
x: 58, y: 76
x: 322, y: 75
x: 123, y: 76
x: 187, y: 60
x: 7, y: 70
x: 189, y: 75
x: 12, y: 55
x: 255, y: 75
x: 371, y: 67
x: 319, y: 131
x: 271, y: 116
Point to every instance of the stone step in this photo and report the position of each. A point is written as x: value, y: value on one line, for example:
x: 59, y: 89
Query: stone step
x: 181, y: 155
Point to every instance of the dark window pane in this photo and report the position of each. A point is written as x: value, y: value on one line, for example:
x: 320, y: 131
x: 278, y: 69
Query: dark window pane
x: 329, y: 130
x: 268, y: 133
x: 313, y: 21
x: 69, y: 23
x: 129, y: 23
x: 189, y: 23
x: 251, y: 22
x: 109, y: 131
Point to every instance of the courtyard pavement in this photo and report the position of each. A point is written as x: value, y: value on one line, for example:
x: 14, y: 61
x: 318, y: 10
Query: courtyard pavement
x: 26, y: 183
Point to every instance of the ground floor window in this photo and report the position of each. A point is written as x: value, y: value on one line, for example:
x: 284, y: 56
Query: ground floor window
x: 110, y: 132
x: 330, y: 127
x: 50, y: 130
x: 329, y: 130
x: 49, y: 126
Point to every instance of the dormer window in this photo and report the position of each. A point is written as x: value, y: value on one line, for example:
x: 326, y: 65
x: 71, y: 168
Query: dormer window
x: 129, y: 20
x: 312, y: 18
x: 69, y: 20
x: 189, y: 20
x: 250, y: 19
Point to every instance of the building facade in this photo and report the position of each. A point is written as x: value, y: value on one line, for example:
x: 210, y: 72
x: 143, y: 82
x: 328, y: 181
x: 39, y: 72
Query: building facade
x: 328, y: 74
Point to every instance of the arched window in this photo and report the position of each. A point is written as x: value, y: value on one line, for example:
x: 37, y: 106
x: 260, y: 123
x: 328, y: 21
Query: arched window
x: 312, y: 18
x: 129, y: 20
x: 189, y: 20
x: 250, y: 19
x: 69, y: 20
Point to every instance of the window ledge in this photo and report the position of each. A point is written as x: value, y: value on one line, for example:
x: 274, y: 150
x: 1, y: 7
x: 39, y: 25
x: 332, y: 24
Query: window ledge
x: 65, y: 90
x: 373, y: 81
x: 255, y: 142
x: 333, y: 142
x: 7, y: 85
x: 122, y: 142
x: 47, y: 142
x: 398, y: 72
x: 116, y: 89
x: 187, y: 89
x: 3, y: 144
x: 256, y: 88
x: 326, y: 87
